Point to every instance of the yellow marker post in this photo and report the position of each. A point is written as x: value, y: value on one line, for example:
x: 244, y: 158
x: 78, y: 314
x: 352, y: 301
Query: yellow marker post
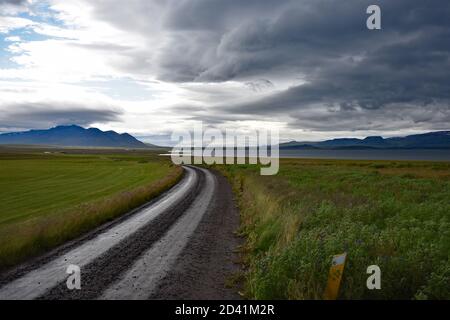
x: 335, y: 276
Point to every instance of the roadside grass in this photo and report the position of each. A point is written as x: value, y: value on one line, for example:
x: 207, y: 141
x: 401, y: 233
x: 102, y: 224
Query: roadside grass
x: 47, y: 199
x: 393, y: 214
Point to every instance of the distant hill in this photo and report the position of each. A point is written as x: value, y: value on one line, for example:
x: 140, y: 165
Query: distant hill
x: 154, y: 146
x: 294, y: 145
x: 74, y: 136
x: 431, y: 140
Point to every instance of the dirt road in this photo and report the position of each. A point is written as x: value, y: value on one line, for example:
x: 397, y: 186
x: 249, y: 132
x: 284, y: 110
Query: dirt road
x: 180, y: 246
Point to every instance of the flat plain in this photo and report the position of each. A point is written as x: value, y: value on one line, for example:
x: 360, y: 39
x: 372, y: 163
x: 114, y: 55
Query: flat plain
x: 48, y: 196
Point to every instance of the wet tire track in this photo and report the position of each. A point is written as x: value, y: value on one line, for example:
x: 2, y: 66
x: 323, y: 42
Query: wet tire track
x: 181, y: 245
x: 103, y: 271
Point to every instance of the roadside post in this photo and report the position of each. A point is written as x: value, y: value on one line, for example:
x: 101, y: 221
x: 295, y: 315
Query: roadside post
x: 335, y: 276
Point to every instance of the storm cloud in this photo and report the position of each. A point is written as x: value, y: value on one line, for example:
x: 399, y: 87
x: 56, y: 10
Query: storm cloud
x: 397, y: 76
x: 15, y: 2
x: 46, y: 115
x: 310, y: 64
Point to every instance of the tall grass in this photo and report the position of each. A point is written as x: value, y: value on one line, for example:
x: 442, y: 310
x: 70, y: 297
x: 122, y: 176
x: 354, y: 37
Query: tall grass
x: 392, y: 214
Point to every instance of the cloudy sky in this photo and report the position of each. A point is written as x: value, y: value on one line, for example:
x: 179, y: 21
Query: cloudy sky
x: 308, y: 67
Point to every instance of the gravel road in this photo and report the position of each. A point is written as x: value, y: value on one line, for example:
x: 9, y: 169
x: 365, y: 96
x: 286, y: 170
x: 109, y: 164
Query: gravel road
x: 179, y: 246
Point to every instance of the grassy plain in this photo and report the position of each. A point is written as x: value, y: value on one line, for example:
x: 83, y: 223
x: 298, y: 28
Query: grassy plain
x: 50, y: 196
x: 393, y: 214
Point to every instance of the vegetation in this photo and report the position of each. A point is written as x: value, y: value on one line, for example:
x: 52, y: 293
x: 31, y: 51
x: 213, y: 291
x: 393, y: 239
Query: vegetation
x: 389, y: 213
x: 49, y: 197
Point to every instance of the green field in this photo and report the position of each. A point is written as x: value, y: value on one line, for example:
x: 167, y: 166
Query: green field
x: 388, y: 213
x: 50, y: 196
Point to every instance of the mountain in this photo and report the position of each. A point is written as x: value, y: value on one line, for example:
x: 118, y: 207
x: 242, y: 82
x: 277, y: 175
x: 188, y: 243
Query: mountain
x: 154, y: 146
x: 294, y: 145
x: 431, y: 140
x: 72, y: 135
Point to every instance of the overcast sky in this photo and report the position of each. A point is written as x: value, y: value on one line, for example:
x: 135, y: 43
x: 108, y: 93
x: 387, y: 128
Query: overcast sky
x: 309, y: 67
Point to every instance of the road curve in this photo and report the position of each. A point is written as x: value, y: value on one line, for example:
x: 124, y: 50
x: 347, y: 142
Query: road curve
x: 141, y: 279
x: 135, y: 255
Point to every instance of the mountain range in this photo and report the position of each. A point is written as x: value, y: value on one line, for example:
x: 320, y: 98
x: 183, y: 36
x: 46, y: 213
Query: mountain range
x: 72, y: 135
x: 431, y: 140
x: 76, y: 136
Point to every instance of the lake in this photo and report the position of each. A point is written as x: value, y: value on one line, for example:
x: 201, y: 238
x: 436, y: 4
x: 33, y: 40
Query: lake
x: 406, y: 154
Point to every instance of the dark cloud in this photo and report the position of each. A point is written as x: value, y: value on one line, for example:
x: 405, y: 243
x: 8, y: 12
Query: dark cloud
x: 222, y: 40
x: 45, y: 115
x: 355, y: 78
x: 257, y: 37
x: 216, y: 15
x: 259, y: 85
x: 15, y: 2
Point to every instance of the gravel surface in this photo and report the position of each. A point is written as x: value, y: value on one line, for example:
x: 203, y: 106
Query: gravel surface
x: 186, y: 251
x: 209, y: 259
